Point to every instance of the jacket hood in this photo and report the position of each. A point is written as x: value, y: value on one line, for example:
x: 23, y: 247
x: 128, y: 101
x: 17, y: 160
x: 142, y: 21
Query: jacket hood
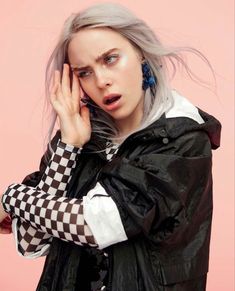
x: 184, y: 117
x: 181, y: 118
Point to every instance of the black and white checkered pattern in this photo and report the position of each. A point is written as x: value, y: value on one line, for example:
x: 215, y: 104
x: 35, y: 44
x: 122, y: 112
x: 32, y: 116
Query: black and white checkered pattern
x: 32, y: 242
x: 111, y: 150
x: 58, y: 172
x: 59, y: 216
x: 54, y: 182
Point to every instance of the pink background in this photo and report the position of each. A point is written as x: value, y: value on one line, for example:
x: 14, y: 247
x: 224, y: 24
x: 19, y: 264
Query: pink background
x: 28, y: 31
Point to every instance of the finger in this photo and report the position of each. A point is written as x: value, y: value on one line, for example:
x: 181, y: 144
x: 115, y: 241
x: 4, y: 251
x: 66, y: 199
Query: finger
x: 53, y: 96
x: 5, y: 230
x: 76, y: 91
x: 57, y: 78
x: 85, y: 114
x: 5, y: 227
x: 5, y: 223
x: 8, y: 219
x: 56, y: 82
x: 65, y: 84
x: 56, y: 92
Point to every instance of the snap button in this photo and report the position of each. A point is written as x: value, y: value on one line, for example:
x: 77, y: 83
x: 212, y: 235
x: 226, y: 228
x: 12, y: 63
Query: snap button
x: 163, y: 133
x: 165, y: 140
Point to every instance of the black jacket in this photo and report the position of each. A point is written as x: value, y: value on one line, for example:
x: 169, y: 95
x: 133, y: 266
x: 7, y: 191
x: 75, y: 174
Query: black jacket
x: 161, y: 182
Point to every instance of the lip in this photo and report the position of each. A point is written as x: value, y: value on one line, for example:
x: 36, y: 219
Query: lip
x: 110, y: 96
x: 113, y: 105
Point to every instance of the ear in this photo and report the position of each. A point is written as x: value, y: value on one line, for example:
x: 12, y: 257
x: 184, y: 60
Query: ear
x: 138, y: 52
x: 140, y: 56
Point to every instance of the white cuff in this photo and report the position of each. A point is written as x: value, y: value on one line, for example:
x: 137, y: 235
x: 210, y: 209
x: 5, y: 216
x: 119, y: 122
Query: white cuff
x: 103, y: 218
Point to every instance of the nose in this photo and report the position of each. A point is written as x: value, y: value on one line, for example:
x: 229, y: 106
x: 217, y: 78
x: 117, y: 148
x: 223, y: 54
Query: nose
x: 103, y: 79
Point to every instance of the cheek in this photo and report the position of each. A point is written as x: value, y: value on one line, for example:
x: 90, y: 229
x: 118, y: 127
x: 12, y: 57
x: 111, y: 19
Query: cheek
x: 130, y: 70
x: 88, y: 87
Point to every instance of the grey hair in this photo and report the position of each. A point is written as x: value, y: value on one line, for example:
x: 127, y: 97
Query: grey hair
x: 120, y: 19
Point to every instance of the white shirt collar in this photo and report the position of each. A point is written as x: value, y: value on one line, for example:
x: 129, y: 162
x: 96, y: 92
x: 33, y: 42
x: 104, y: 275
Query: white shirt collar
x: 182, y: 107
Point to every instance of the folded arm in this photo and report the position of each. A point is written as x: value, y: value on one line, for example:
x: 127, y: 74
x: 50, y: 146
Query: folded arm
x: 35, y: 229
x: 30, y: 241
x: 153, y: 194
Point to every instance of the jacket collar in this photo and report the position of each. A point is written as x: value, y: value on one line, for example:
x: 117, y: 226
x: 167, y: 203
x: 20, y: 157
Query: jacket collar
x: 178, y: 126
x: 171, y: 128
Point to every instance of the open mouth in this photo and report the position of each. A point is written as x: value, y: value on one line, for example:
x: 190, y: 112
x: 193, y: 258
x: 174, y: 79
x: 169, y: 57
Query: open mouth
x: 112, y: 99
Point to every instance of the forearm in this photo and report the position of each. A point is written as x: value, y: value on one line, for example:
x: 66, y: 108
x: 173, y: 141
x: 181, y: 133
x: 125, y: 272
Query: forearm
x: 58, y: 172
x: 58, y: 216
x: 98, y: 206
x: 32, y: 242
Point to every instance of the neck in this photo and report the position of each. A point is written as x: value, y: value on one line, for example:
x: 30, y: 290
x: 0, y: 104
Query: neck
x: 130, y: 124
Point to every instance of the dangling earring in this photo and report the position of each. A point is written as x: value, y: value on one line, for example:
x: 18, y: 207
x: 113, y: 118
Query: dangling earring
x: 149, y: 80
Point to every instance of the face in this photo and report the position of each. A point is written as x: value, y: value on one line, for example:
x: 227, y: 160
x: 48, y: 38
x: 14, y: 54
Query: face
x: 109, y: 71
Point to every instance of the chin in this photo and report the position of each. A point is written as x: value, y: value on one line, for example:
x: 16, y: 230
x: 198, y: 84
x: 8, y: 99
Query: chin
x: 119, y: 114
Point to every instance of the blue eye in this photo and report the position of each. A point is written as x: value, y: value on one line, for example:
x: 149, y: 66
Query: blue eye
x: 111, y: 59
x: 82, y: 74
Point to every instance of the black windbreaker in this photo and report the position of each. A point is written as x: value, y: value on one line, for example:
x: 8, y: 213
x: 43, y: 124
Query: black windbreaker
x: 161, y: 182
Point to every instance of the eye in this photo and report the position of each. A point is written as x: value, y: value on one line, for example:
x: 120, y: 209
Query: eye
x: 83, y: 74
x: 111, y: 59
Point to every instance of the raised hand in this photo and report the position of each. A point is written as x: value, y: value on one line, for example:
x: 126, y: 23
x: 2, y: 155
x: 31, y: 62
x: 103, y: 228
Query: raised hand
x: 74, y: 119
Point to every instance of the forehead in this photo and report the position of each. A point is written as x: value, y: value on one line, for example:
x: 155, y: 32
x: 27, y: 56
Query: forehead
x: 89, y: 43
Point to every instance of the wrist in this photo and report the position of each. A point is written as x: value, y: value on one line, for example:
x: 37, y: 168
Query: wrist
x: 68, y: 149
x: 74, y: 144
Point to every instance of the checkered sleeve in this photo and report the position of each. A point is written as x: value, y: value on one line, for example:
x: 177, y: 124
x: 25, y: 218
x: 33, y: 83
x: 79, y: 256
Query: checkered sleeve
x: 58, y: 172
x: 60, y: 217
x: 31, y: 242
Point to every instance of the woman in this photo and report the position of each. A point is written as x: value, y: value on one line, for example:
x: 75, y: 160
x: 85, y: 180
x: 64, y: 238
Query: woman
x: 123, y: 197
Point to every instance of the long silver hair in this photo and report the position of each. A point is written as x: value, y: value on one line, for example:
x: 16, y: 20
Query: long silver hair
x: 161, y: 59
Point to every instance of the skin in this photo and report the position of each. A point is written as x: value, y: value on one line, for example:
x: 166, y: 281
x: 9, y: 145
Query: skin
x: 117, y: 72
x: 5, y: 221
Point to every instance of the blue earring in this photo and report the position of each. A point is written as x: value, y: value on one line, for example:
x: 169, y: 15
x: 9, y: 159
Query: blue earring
x: 148, y: 79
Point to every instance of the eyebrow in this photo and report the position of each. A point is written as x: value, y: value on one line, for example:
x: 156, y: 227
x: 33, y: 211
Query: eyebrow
x: 97, y: 59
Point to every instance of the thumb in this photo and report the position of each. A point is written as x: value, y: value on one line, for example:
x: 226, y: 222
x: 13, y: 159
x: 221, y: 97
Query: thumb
x: 5, y: 230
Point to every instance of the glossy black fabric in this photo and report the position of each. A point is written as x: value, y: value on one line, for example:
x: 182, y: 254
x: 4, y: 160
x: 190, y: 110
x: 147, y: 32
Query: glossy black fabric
x: 161, y: 182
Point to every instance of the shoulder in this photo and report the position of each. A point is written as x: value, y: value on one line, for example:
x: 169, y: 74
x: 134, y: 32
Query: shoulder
x: 184, y: 118
x: 184, y: 129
